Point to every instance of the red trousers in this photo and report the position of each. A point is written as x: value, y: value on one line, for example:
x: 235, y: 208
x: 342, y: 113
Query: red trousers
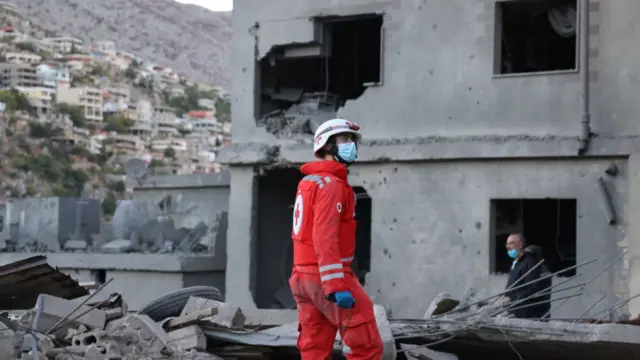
x: 320, y: 319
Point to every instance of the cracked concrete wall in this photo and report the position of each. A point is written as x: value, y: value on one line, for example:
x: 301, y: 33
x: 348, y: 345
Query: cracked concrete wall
x: 439, y: 100
x: 436, y: 236
x: 196, y: 198
x: 42, y: 219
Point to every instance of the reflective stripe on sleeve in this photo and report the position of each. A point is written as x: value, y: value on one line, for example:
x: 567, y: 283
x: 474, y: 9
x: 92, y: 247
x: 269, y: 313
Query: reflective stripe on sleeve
x: 332, y: 277
x: 330, y: 267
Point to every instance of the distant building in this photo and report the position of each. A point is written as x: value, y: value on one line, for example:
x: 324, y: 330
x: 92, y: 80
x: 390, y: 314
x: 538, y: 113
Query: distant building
x: 18, y: 75
x: 40, y: 97
x: 63, y: 44
x: 53, y: 75
x: 89, y: 98
x: 22, y: 58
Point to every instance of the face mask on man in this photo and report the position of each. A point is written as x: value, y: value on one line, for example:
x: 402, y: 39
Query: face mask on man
x: 513, y: 253
x: 348, y: 151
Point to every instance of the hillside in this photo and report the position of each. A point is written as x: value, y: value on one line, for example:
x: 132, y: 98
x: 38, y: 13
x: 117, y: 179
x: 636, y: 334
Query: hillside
x: 187, y: 38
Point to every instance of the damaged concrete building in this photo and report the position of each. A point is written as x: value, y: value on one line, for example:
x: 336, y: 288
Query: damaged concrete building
x: 480, y: 118
x: 170, y: 236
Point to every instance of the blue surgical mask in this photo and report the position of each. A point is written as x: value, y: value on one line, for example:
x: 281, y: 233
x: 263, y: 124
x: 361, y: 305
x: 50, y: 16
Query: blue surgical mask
x: 348, y: 152
x: 513, y: 253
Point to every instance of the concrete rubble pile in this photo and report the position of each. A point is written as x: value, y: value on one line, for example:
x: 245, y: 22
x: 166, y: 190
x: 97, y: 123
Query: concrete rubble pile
x: 144, y: 226
x: 203, y: 329
x: 199, y: 328
x: 457, y: 329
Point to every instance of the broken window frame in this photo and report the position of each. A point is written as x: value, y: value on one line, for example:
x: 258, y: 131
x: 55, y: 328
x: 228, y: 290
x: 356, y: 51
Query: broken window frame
x: 495, y: 202
x: 330, y: 19
x: 497, y: 47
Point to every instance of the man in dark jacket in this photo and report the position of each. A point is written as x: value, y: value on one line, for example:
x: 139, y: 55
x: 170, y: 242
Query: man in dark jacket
x: 544, y: 285
x: 523, y: 262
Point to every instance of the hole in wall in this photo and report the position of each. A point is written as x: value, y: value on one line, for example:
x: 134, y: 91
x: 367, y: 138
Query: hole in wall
x: 536, y: 36
x: 99, y: 276
x: 303, y: 85
x: 550, y: 224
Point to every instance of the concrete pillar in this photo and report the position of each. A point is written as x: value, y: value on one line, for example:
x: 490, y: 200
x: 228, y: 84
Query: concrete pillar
x: 633, y: 234
x: 240, y: 235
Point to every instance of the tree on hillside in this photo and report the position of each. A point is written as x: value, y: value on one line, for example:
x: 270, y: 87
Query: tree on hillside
x: 118, y: 123
x: 170, y: 153
x: 223, y: 110
x: 75, y: 113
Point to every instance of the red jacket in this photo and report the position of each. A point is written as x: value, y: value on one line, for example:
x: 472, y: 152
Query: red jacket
x: 324, y: 227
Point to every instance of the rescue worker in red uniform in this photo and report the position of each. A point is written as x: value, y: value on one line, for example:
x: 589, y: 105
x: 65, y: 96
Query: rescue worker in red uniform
x: 327, y: 292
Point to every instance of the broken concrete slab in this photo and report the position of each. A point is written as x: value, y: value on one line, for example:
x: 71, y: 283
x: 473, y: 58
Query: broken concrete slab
x: 88, y: 338
x: 441, y: 303
x: 9, y: 346
x: 76, y: 245
x: 189, y: 319
x: 149, y: 333
x: 228, y: 315
x: 117, y: 246
x: 253, y: 317
x: 414, y: 352
x: 190, y: 337
x: 55, y: 309
x: 384, y: 327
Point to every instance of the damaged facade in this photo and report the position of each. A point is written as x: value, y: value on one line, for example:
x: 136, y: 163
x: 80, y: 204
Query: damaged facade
x: 479, y: 119
x: 171, y: 235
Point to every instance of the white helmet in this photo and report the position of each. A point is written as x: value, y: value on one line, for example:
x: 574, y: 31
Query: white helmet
x: 333, y: 127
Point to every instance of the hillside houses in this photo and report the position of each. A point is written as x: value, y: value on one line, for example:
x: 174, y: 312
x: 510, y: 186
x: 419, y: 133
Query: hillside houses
x: 104, y: 99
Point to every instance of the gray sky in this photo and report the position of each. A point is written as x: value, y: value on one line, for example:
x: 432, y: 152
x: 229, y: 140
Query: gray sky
x: 215, y: 5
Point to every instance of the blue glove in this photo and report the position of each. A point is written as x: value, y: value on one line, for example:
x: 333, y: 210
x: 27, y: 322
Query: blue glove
x: 344, y: 299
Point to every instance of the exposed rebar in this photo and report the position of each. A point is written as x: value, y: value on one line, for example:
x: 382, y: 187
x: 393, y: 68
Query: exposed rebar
x: 590, y: 308
x: 546, y: 291
x: 588, y: 281
x: 516, y: 288
x: 564, y: 298
x: 62, y: 321
x: 520, y: 278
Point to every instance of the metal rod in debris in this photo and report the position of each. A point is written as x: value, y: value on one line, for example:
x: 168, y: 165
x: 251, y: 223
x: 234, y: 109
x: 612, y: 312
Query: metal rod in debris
x: 517, y: 287
x: 581, y: 317
x: 543, y: 292
x: 538, y: 303
x: 615, y: 306
x: 61, y: 321
x: 34, y: 326
x: 546, y: 291
x: 590, y: 280
x: 520, y: 278
x: 551, y: 287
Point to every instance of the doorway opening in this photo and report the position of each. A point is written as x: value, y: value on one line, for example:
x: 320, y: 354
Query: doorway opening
x: 276, y: 194
x: 362, y: 262
x: 547, y: 223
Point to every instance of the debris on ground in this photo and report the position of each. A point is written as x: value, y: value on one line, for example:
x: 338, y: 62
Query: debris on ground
x: 195, y: 323
x: 205, y: 329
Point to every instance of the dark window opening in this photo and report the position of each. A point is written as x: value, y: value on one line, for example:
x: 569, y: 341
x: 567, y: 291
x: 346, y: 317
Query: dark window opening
x: 276, y: 195
x: 536, y: 36
x: 362, y: 262
x: 303, y: 85
x: 99, y: 276
x: 547, y: 223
